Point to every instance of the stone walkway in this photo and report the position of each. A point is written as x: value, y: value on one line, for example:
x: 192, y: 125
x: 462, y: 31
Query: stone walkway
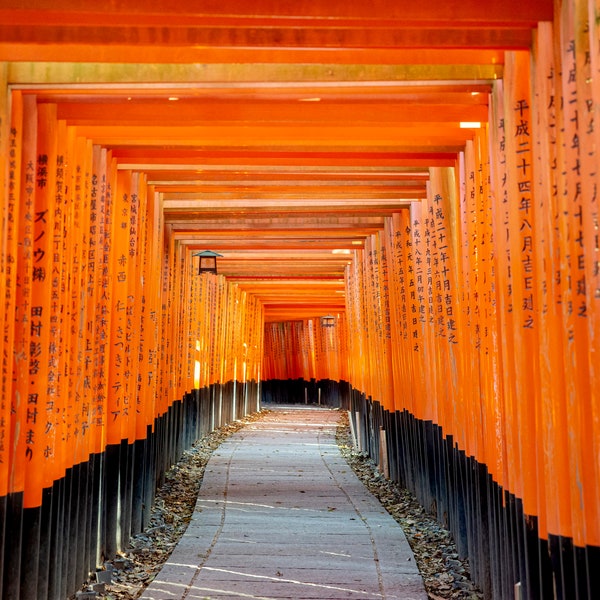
x: 281, y: 515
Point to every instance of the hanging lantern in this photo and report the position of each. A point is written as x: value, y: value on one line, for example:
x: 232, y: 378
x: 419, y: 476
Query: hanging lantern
x: 328, y: 321
x: 208, y: 261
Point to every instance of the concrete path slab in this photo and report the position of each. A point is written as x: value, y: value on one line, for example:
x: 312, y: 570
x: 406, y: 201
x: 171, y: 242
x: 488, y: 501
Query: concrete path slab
x: 280, y: 515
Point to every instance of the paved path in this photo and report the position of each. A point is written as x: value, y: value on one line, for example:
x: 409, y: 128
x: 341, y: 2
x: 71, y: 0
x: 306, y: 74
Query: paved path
x: 280, y: 514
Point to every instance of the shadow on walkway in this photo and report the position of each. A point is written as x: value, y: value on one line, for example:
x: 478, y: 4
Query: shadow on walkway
x: 280, y: 514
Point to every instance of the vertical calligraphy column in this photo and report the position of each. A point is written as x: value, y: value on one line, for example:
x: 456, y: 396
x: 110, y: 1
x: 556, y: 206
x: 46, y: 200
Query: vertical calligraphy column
x: 366, y: 307
x: 397, y: 231
x: 12, y: 250
x: 164, y: 371
x: 431, y: 269
x: 480, y: 375
x: 318, y: 345
x: 271, y: 351
x: 152, y: 276
x: 39, y: 424
x: 43, y: 369
x: 311, y: 335
x: 82, y: 322
x: 5, y: 160
x: 142, y: 243
x: 22, y: 316
x: 396, y: 325
x: 385, y: 337
x: 257, y: 352
x: 257, y: 346
x: 141, y: 301
x: 575, y: 194
x: 71, y: 244
x: 208, y: 282
x: 63, y: 420
x: 218, y: 336
x: 212, y: 307
x: 244, y: 346
x: 207, y: 327
x: 500, y: 200
x: 231, y: 334
x: 355, y: 322
x: 509, y: 319
x: 480, y: 310
x: 190, y: 309
x: 522, y: 243
x: 591, y: 230
x: 63, y: 348
x: 493, y: 437
x: 294, y: 349
x: 167, y: 318
x: 181, y: 304
x: 114, y: 293
x: 237, y: 319
x: 241, y: 370
x: 338, y: 349
x: 415, y: 331
x: 80, y: 390
x: 285, y: 334
x: 23, y: 153
x: 362, y: 350
x: 325, y: 335
x: 98, y: 288
x: 470, y: 365
x: 588, y: 275
x: 553, y: 469
x: 269, y: 345
x: 10, y: 171
x: 378, y: 308
x: 222, y: 329
x: 118, y: 399
x: 9, y: 174
x: 196, y: 290
x: 350, y: 281
x: 417, y: 251
x: 204, y: 331
x: 441, y: 207
x: 369, y: 323
x: 592, y: 216
x: 410, y: 335
x: 137, y: 247
x: 268, y: 361
x: 248, y: 352
x: 94, y: 378
x: 309, y: 373
x: 181, y: 316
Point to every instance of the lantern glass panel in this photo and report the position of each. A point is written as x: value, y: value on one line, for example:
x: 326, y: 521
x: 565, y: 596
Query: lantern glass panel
x: 208, y: 263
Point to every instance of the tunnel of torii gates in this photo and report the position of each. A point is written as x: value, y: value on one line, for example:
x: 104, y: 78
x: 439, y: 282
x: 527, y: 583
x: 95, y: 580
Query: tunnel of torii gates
x: 424, y: 173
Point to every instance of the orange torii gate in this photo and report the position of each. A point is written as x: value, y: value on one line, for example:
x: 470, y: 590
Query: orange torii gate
x: 101, y: 387
x: 461, y: 264
x: 494, y: 307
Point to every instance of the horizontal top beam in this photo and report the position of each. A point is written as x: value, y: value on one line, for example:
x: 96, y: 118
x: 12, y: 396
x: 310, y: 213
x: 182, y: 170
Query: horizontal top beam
x: 278, y: 134
x: 441, y: 13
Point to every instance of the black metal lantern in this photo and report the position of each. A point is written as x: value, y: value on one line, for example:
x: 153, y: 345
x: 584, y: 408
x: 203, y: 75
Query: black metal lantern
x: 328, y: 321
x: 208, y: 261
